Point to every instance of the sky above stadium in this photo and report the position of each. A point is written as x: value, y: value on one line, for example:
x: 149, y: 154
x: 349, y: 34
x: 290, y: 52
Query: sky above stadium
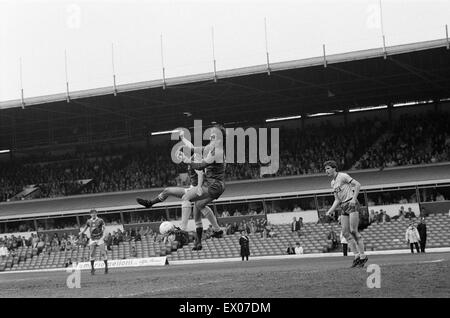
x: 40, y: 32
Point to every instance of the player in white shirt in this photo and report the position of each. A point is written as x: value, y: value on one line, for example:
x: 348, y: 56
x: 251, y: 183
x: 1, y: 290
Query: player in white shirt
x: 347, y: 198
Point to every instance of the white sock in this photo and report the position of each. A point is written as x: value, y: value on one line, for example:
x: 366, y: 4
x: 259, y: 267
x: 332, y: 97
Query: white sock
x: 209, y: 214
x: 185, y: 213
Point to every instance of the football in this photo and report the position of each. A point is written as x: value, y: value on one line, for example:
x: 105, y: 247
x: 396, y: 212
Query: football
x: 166, y: 227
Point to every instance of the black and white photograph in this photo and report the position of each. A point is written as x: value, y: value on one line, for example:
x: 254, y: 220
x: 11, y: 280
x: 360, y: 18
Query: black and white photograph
x: 224, y: 155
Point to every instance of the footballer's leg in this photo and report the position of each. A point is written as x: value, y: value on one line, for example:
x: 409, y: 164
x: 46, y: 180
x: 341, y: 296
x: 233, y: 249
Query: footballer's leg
x: 104, y: 255
x: 92, y: 249
x: 186, y: 209
x: 171, y: 191
x: 202, y: 205
x: 192, y: 194
x: 345, y: 223
x: 354, y: 223
x: 186, y: 206
x: 198, y: 229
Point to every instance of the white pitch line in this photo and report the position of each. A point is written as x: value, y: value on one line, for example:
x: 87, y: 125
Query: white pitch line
x: 435, y: 261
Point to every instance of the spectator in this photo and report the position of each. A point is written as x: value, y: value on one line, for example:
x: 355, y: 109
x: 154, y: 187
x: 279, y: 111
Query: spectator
x: 412, y: 237
x: 296, y: 209
x: 62, y: 245
x: 271, y: 231
x: 385, y: 218
x: 300, y: 222
x: 423, y: 212
x: 234, y: 228
x: 332, y: 239
x: 68, y: 262
x: 295, y: 225
x: 3, y: 251
x: 422, y: 230
x: 379, y: 215
x: 371, y: 216
x: 228, y: 228
x: 401, y: 214
x: 209, y: 231
x: 440, y: 197
x: 40, y: 245
x: 244, y: 242
x: 137, y: 236
x: 109, y: 242
x: 83, y: 240
x: 143, y: 232
x: 252, y: 226
x: 127, y: 236
x: 298, y: 249
x: 247, y: 227
x: 265, y: 231
x: 259, y: 226
x: 410, y: 214
x: 34, y: 240
x: 133, y: 252
x: 290, y: 249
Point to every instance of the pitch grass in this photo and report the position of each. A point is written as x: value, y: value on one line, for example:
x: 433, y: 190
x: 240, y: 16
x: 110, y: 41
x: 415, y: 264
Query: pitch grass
x: 418, y: 275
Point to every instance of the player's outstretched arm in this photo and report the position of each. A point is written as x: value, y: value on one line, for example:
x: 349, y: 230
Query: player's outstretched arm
x: 210, y: 158
x: 189, y: 144
x: 84, y: 230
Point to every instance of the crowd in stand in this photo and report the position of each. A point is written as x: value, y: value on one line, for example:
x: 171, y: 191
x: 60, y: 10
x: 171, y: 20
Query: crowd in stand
x: 128, y: 169
x: 381, y: 216
x: 253, y: 226
x: 43, y: 243
x: 410, y: 140
x: 419, y: 139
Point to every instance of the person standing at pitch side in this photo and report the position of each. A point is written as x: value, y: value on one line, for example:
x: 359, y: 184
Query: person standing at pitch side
x: 347, y: 199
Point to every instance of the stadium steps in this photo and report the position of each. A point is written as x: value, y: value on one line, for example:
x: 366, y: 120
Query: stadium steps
x: 391, y: 235
x: 378, y: 236
x: 312, y: 239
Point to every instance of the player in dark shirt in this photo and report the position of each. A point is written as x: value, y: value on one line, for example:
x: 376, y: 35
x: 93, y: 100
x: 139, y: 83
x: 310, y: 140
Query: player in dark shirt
x: 181, y: 236
x: 196, y: 178
x: 96, y: 227
x: 213, y: 186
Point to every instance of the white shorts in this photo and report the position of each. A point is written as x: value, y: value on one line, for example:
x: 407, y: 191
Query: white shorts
x: 98, y: 242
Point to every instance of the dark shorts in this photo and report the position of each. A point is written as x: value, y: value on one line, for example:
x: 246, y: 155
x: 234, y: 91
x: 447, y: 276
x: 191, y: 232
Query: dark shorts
x: 215, y: 188
x: 348, y: 208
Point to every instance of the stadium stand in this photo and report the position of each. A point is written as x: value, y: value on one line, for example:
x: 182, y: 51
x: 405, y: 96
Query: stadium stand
x: 313, y: 239
x: 366, y: 144
x: 413, y: 139
x: 67, y: 181
x: 391, y: 235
